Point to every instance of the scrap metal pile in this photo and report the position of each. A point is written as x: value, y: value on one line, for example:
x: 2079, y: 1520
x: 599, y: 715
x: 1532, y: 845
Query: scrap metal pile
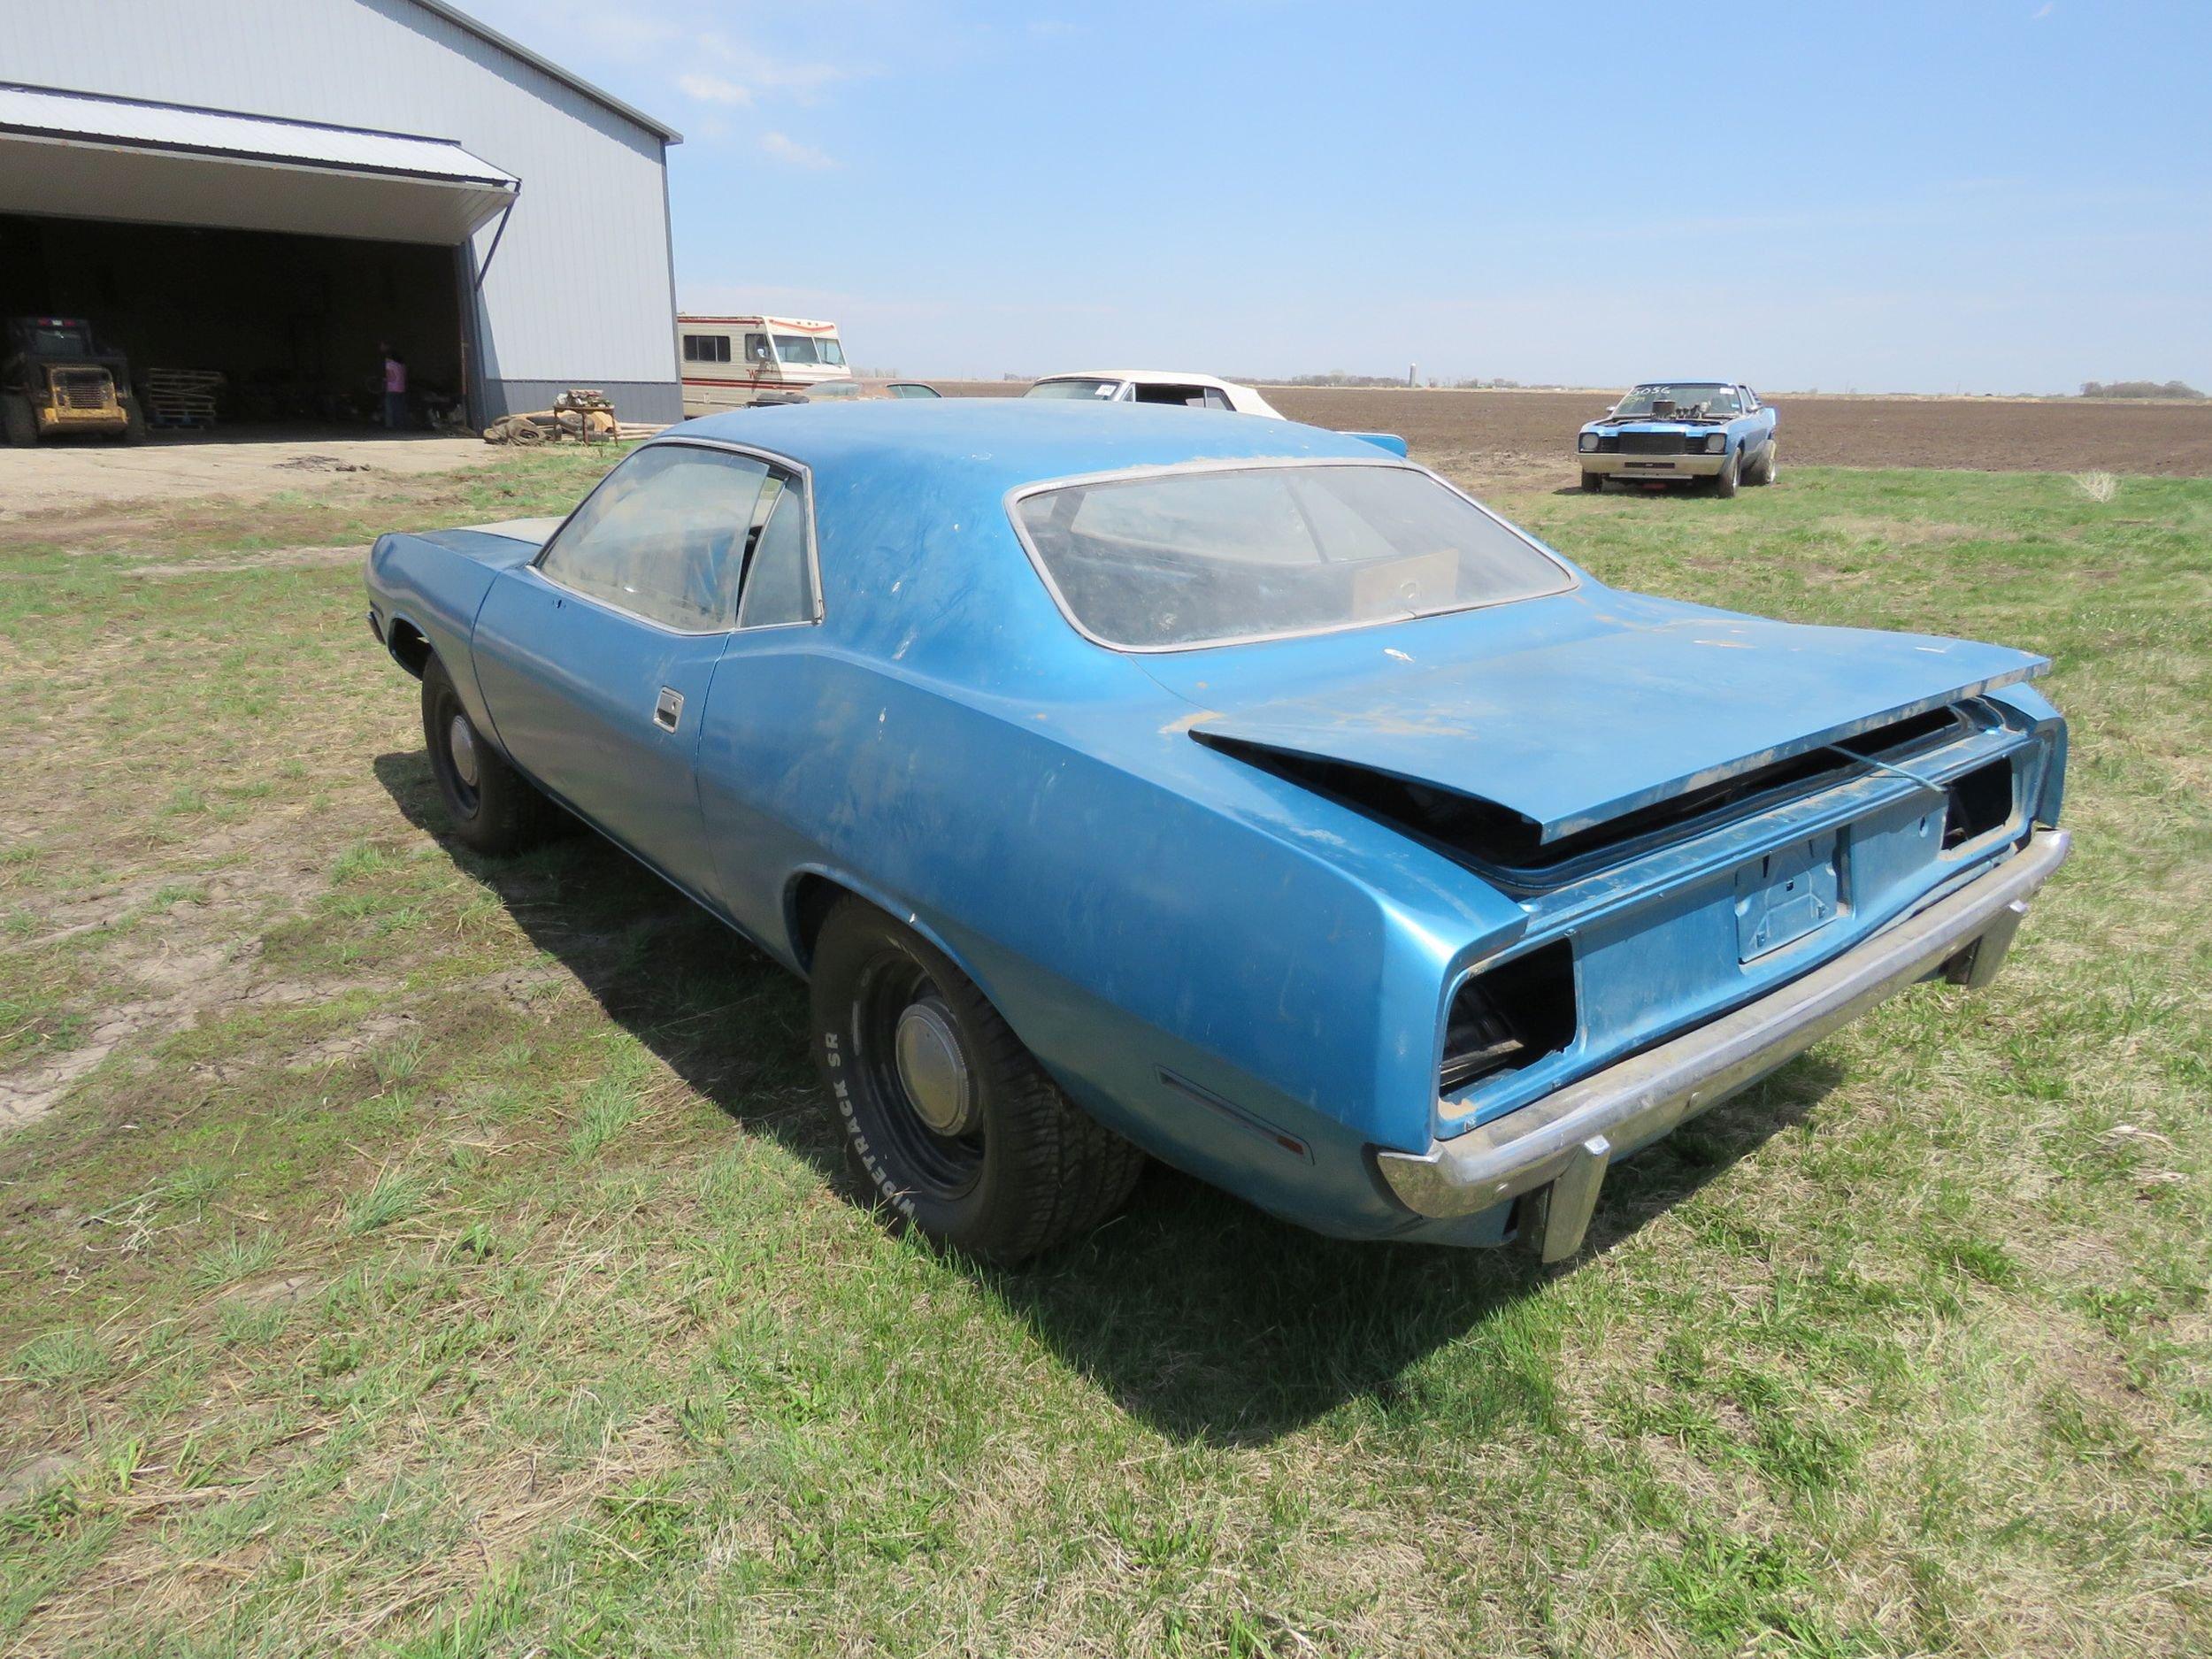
x: 580, y: 414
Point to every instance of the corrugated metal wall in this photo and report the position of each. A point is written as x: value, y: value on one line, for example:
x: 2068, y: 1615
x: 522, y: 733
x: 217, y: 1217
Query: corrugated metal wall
x: 579, y: 292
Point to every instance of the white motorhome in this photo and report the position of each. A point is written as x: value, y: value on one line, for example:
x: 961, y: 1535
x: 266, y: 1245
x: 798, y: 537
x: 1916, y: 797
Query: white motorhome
x: 730, y: 362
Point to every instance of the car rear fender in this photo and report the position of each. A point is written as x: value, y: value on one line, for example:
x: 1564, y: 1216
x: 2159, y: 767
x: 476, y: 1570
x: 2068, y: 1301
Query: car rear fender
x: 434, y: 584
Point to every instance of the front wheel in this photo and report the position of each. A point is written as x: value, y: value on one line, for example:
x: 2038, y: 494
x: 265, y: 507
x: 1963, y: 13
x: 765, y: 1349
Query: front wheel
x: 495, y: 809
x: 21, y: 424
x: 1770, y: 465
x: 952, y: 1122
x: 1724, y: 480
x: 133, y: 422
x: 1594, y: 481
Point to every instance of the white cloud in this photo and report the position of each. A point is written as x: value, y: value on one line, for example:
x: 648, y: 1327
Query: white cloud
x: 762, y: 72
x: 714, y: 89
x: 793, y: 153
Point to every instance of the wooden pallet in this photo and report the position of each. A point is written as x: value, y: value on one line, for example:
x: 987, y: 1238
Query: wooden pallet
x: 180, y: 397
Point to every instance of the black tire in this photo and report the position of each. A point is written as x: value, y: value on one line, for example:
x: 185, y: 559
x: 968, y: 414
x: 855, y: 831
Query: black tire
x: 21, y: 424
x: 1770, y: 463
x: 500, y: 810
x: 1016, y: 1168
x: 1724, y: 480
x: 133, y: 421
x: 1594, y: 481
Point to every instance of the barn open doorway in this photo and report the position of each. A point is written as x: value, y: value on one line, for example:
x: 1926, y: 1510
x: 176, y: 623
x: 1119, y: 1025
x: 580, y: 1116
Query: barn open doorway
x: 256, y: 328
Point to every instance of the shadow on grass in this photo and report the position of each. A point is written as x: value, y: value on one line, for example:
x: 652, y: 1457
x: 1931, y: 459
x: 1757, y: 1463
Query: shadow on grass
x: 1673, y: 490
x: 1204, y: 1318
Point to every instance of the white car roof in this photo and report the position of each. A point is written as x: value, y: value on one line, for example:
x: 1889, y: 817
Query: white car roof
x: 1145, y: 377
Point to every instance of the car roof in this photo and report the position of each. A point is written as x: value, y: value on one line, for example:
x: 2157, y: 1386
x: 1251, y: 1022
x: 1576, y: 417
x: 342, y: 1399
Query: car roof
x: 979, y: 448
x: 1142, y: 377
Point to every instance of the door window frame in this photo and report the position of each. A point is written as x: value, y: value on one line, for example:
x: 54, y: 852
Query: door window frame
x: 781, y: 463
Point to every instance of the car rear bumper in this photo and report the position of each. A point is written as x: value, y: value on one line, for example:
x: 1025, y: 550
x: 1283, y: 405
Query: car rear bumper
x: 1661, y: 467
x: 1556, y: 1150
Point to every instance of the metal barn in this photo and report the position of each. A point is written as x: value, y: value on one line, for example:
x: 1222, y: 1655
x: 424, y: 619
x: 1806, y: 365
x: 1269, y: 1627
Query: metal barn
x: 272, y: 191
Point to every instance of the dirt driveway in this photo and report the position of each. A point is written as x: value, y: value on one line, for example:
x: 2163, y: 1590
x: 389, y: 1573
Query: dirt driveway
x: 173, y: 467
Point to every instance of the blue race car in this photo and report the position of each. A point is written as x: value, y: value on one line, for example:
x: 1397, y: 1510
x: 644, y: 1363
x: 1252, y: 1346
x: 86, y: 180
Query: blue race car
x: 1136, y: 779
x: 1671, y: 432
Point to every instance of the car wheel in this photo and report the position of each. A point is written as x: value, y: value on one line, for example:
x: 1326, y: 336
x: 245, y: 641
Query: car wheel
x: 952, y: 1123
x: 495, y: 809
x: 133, y: 421
x: 22, y: 426
x: 1594, y: 481
x: 1770, y: 463
x: 1724, y: 480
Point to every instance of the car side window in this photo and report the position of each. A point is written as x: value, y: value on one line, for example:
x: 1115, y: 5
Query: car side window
x: 1216, y: 398
x: 756, y: 349
x: 779, y: 573
x: 1182, y: 396
x: 1750, y: 401
x: 663, y: 536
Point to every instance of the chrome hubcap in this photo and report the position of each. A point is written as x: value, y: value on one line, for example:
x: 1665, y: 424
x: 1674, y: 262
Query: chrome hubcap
x: 932, y: 1070
x: 462, y: 742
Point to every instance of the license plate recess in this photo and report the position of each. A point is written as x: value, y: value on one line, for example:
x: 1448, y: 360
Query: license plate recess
x: 1786, y: 894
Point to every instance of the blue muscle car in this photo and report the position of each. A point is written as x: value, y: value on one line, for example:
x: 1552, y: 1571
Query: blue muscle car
x: 1670, y: 432
x: 1124, y: 778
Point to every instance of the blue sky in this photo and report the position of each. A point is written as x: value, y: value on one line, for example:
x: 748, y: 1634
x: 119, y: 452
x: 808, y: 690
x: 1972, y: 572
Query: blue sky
x: 1978, y: 195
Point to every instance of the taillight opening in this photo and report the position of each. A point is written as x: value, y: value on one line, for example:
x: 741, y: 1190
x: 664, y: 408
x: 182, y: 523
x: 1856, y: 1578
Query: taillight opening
x: 1977, y: 802
x: 1508, y: 1016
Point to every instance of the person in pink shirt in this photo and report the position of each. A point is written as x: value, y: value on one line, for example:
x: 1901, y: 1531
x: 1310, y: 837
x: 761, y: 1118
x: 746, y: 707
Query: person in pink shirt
x: 394, y: 389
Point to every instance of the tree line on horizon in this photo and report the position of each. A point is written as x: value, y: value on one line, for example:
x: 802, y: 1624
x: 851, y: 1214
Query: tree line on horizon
x: 2138, y: 388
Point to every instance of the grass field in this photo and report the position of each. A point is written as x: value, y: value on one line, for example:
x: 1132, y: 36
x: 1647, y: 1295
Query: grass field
x: 403, y: 1254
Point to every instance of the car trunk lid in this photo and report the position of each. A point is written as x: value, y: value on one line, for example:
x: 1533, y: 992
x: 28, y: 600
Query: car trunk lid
x: 1573, y: 711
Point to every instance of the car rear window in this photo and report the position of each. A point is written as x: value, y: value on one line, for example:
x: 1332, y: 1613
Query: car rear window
x: 1172, y: 560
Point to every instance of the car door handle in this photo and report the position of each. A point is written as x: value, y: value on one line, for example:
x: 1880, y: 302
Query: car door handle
x: 668, y: 709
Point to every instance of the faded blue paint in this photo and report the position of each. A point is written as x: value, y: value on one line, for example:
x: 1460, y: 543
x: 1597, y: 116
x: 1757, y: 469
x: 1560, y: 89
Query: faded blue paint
x: 1389, y: 441
x: 1138, y: 903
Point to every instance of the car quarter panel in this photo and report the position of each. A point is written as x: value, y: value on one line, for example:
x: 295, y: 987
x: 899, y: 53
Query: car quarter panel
x: 435, y: 582
x: 1124, y: 918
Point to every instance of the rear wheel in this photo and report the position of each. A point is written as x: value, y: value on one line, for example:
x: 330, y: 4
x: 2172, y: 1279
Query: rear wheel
x: 15, y: 415
x: 951, y: 1121
x: 1594, y: 481
x: 495, y: 809
x: 1724, y: 480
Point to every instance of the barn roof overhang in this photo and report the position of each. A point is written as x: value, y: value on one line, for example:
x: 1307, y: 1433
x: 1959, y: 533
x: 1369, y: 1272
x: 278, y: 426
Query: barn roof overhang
x: 79, y: 155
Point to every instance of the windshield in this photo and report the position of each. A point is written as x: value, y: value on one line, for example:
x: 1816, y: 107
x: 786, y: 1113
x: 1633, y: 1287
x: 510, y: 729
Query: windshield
x: 807, y: 349
x: 1180, y: 559
x: 1696, y: 397
x: 58, y: 339
x: 1073, y: 388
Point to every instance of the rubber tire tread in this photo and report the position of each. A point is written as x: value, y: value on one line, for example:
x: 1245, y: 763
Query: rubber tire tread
x: 1055, y: 1173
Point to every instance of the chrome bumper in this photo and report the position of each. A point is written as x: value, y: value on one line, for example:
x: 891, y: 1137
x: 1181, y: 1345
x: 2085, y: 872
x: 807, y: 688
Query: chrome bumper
x: 1563, y: 1143
x: 1657, y: 467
